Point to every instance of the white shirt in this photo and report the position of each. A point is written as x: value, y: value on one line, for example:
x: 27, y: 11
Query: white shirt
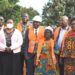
x: 61, y: 35
x: 35, y: 30
x: 16, y: 41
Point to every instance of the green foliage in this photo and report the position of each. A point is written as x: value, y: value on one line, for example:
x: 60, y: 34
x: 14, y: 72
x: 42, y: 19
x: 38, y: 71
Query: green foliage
x: 30, y: 11
x: 6, y: 4
x: 9, y: 9
x: 56, y: 8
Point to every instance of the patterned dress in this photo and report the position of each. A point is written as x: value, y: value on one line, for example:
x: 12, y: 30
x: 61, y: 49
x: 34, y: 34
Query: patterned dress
x: 46, y: 66
x: 69, y: 54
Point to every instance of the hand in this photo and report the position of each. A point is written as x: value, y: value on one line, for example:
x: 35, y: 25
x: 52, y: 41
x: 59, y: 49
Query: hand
x: 27, y: 57
x: 54, y: 66
x: 72, y: 56
x: 37, y: 62
x: 8, y: 49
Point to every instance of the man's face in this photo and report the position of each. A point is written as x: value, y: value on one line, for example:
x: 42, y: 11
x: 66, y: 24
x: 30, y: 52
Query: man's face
x: 63, y: 22
x: 25, y: 19
x: 1, y: 23
x: 36, y: 24
x: 73, y: 25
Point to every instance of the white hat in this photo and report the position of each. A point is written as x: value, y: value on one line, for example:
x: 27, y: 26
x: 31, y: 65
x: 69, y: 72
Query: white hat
x: 49, y: 28
x: 37, y: 18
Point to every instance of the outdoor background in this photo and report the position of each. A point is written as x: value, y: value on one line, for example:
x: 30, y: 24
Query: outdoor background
x: 50, y: 10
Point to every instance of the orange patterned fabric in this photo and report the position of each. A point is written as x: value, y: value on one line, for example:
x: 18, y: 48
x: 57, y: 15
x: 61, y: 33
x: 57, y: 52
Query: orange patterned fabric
x: 47, y: 64
x: 69, y: 45
x: 69, y: 66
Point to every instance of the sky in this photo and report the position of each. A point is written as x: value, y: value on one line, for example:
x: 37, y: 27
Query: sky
x: 35, y: 4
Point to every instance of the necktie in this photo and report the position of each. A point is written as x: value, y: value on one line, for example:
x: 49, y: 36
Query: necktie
x: 35, y: 47
x: 36, y: 33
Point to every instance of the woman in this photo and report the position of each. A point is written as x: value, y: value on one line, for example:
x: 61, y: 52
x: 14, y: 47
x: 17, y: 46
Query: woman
x: 47, y: 61
x: 68, y: 50
x: 10, y: 44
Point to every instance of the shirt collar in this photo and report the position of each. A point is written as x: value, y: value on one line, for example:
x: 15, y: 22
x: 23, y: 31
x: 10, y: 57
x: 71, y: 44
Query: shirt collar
x: 66, y: 28
x: 36, y: 29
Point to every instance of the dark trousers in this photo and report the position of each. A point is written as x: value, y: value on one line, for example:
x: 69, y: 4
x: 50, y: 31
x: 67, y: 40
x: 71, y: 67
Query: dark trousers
x: 30, y: 67
x: 22, y: 62
x: 16, y: 64
x: 61, y: 69
x: 1, y: 68
x: 11, y: 64
x: 60, y: 63
x: 6, y: 63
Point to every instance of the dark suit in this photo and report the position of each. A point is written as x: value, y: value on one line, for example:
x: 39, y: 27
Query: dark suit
x: 29, y: 57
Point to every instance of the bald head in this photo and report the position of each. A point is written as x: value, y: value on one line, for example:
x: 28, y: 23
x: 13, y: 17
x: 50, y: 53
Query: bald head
x: 64, y: 17
x: 64, y: 21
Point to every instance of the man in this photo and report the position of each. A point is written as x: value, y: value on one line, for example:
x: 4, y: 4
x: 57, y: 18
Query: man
x: 58, y: 37
x: 10, y: 46
x: 32, y: 44
x: 22, y: 26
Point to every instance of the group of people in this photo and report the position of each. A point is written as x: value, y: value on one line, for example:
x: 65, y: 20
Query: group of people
x: 42, y: 49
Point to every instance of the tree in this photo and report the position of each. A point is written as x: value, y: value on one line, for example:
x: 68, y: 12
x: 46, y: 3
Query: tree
x: 69, y: 7
x: 9, y: 9
x: 6, y: 7
x: 30, y: 11
x: 56, y: 8
x: 6, y: 4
